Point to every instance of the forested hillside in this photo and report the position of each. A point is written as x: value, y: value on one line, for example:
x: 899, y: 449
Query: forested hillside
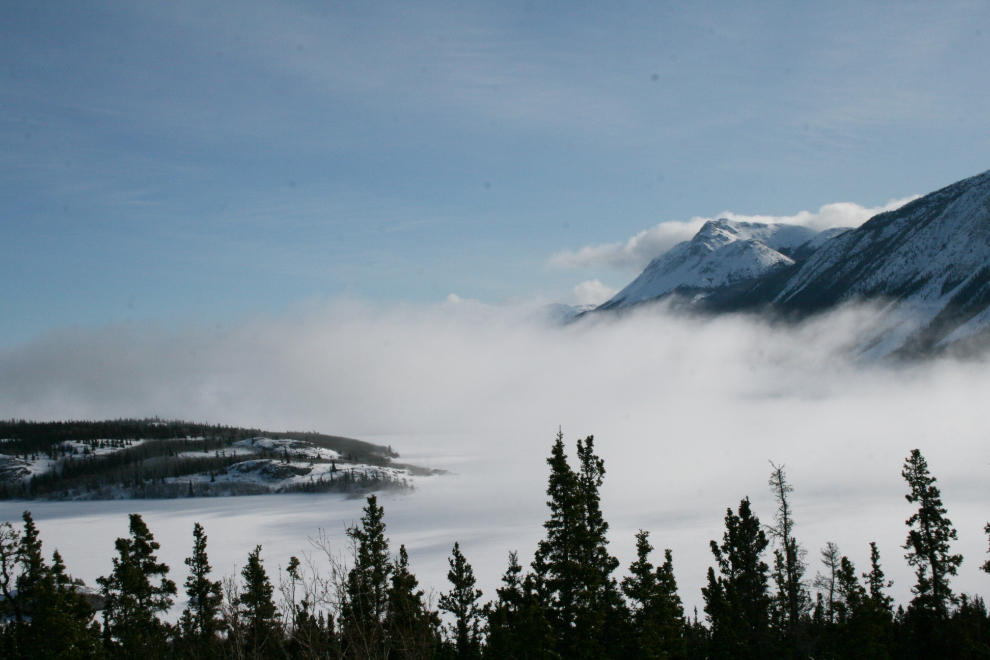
x: 761, y: 600
x: 152, y: 458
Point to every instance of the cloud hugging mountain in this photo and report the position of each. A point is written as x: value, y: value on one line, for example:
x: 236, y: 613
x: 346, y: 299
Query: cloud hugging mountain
x: 926, y: 265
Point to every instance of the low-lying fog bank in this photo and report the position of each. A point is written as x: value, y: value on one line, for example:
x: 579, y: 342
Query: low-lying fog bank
x: 686, y: 414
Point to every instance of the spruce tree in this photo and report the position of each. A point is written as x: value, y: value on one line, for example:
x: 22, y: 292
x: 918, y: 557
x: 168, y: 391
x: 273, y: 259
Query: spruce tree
x: 866, y: 629
x: 876, y: 583
x: 558, y: 562
x: 461, y: 602
x: 257, y: 611
x: 928, y: 540
x: 32, y: 568
x: 572, y: 564
x: 61, y: 623
x: 200, y: 623
x: 605, y: 614
x: 855, y: 633
x: 413, y: 630
x: 366, y: 587
x: 517, y: 625
x: 135, y: 593
x: 657, y: 614
x: 851, y: 594
x: 48, y: 618
x: 737, y: 601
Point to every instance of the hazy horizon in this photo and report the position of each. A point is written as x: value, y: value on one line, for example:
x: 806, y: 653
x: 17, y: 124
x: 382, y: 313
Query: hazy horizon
x: 687, y: 414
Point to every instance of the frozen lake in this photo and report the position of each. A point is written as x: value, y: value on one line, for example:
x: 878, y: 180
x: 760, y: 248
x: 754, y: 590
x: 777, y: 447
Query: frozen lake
x: 687, y: 416
x: 491, y: 512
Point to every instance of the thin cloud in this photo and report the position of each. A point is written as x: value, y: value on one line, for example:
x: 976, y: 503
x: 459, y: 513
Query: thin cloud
x: 638, y: 251
x: 592, y: 292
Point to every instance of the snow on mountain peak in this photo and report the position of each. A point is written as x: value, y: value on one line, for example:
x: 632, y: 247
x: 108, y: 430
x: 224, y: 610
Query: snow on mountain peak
x: 928, y: 261
x: 722, y: 253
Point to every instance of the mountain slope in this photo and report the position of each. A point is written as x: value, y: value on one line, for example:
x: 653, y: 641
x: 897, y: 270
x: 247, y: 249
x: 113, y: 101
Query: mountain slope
x: 724, y: 253
x: 927, y: 262
x: 930, y: 259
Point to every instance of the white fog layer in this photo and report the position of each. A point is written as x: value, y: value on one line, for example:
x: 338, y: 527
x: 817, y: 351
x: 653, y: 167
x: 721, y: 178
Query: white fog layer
x: 685, y: 413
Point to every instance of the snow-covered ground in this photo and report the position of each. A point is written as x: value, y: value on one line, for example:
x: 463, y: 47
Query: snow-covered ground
x: 12, y: 467
x: 277, y: 475
x: 295, y: 448
x: 279, y: 465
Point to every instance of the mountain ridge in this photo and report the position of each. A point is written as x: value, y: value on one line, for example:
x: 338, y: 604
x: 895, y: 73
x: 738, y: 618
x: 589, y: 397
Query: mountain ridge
x: 928, y: 262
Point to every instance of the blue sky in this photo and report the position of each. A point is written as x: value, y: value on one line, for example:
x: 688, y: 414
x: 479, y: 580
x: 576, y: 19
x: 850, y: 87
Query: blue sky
x: 251, y: 213
x: 206, y: 162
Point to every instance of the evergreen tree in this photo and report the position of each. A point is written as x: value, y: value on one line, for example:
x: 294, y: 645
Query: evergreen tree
x: 871, y: 634
x: 48, y: 618
x: 851, y: 594
x: 61, y: 623
x: 367, y: 586
x: 32, y: 568
x: 604, y: 615
x: 876, y: 583
x: 928, y: 540
x: 737, y: 601
x: 412, y: 628
x: 135, y: 593
x: 657, y: 614
x: 572, y: 565
x: 967, y: 637
x: 200, y: 622
x: 257, y: 611
x: 859, y: 631
x: 517, y: 626
x: 832, y: 616
x: 789, y: 567
x: 461, y: 601
x: 558, y: 561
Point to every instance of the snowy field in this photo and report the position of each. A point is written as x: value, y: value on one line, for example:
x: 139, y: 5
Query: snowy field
x: 686, y: 416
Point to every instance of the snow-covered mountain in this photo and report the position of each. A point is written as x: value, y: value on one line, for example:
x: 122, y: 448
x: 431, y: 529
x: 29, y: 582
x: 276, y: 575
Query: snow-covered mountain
x: 724, y: 253
x: 927, y: 262
x: 929, y: 258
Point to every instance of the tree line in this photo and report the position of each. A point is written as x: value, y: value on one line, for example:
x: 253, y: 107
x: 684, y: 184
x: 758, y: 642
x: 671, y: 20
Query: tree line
x: 22, y: 436
x: 760, y: 601
x: 149, y: 458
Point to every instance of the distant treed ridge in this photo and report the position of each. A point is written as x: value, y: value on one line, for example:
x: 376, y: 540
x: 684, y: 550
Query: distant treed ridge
x: 152, y: 458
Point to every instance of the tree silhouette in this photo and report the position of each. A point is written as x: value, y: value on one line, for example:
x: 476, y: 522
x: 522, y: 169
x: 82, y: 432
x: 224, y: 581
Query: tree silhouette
x: 657, y: 613
x: 928, y: 539
x: 135, y: 593
x: 737, y: 601
x: 413, y: 630
x: 257, y: 611
x: 461, y: 601
x: 572, y: 565
x: 789, y: 567
x: 367, y: 586
x: 517, y: 624
x: 200, y: 620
